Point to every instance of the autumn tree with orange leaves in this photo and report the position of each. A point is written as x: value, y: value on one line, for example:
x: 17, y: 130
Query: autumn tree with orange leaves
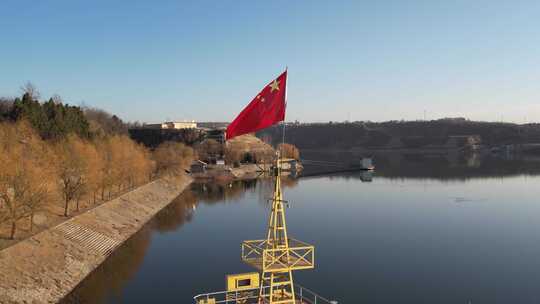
x: 24, y: 180
x: 289, y: 151
x: 54, y: 155
x: 171, y: 158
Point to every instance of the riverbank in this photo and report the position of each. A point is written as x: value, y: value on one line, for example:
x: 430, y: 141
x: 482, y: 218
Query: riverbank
x: 52, y: 215
x: 224, y: 173
x: 47, y: 266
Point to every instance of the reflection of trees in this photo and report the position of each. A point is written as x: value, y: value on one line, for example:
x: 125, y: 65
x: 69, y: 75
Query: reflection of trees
x: 459, y: 169
x: 179, y: 211
x: 265, y: 188
x: 441, y: 167
x: 288, y: 182
x: 212, y: 192
x: 111, y: 276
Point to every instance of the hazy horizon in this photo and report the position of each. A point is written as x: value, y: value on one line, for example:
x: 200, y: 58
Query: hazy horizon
x: 347, y: 60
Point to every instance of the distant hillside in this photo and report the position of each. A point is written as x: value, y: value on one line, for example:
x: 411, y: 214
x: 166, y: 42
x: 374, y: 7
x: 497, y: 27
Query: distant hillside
x: 409, y: 134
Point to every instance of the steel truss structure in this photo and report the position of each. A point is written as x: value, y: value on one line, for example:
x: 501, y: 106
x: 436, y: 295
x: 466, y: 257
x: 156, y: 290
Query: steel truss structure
x: 275, y: 257
x: 278, y: 256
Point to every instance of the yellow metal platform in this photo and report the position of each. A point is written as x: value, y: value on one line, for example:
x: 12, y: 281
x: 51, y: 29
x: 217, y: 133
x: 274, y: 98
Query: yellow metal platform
x: 252, y: 296
x: 260, y: 255
x: 275, y: 257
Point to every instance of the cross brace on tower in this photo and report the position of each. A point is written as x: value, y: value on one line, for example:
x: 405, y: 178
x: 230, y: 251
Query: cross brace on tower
x: 277, y: 256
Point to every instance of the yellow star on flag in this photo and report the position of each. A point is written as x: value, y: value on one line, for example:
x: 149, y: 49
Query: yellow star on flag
x: 274, y: 86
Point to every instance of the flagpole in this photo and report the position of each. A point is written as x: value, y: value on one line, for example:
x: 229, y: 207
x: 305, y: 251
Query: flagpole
x: 285, y: 112
x: 280, y: 155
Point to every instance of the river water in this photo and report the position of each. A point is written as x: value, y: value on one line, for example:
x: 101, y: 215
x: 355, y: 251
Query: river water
x: 425, y: 230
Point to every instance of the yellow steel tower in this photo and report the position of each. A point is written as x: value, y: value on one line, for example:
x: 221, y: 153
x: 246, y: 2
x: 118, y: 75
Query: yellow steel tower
x: 277, y: 256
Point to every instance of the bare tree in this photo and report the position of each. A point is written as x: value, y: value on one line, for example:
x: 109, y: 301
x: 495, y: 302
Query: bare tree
x: 171, y: 158
x: 234, y: 153
x: 57, y: 99
x: 14, y: 187
x: 104, y: 122
x: 105, y: 179
x: 30, y: 89
x: 23, y: 189
x: 24, y: 177
x: 35, y: 199
x: 71, y: 168
x: 208, y: 149
x: 289, y: 151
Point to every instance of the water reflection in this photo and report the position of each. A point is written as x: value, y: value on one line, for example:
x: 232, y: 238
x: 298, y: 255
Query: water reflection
x: 109, y: 279
x: 414, y: 234
x: 366, y: 176
x: 461, y: 169
x: 451, y: 166
x: 179, y: 212
x: 106, y: 284
x: 212, y: 192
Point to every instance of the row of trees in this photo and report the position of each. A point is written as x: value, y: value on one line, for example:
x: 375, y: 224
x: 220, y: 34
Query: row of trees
x: 54, y: 156
x: 378, y: 134
x: 100, y: 168
x: 36, y: 173
x: 51, y: 119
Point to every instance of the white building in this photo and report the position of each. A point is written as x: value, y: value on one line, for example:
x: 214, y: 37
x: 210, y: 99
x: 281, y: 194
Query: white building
x: 178, y: 125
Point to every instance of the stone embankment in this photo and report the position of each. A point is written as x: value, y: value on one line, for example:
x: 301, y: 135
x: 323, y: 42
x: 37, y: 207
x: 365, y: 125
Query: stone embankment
x: 46, y: 267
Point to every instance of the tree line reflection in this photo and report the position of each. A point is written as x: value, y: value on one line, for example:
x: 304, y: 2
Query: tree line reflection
x: 109, y: 279
x: 450, y: 167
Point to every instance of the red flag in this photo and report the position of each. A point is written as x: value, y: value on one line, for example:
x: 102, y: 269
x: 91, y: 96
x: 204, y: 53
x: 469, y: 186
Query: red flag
x: 266, y: 109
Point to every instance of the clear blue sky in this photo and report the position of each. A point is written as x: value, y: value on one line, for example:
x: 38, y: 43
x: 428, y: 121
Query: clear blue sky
x: 205, y: 60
